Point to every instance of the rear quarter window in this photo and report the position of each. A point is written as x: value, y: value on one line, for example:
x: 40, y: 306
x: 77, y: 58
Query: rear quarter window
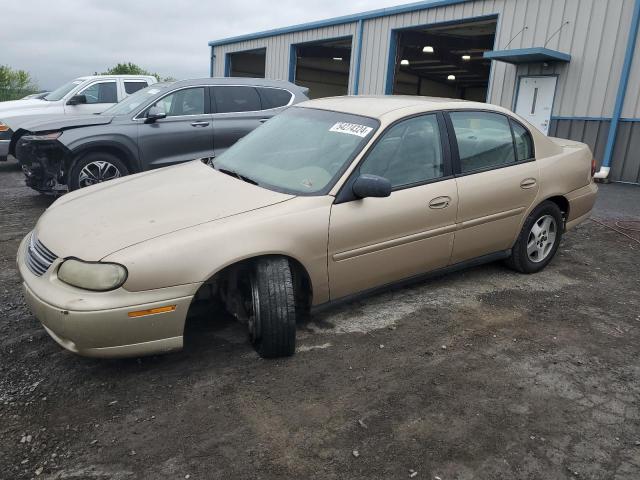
x: 274, y: 97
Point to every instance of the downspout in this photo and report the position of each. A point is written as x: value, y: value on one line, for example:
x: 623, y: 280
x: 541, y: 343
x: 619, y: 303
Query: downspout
x: 622, y: 92
x: 212, y: 59
x: 356, y: 76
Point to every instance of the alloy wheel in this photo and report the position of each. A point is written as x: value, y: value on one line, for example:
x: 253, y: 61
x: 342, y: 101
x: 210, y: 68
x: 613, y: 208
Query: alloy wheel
x: 542, y: 238
x: 97, y: 172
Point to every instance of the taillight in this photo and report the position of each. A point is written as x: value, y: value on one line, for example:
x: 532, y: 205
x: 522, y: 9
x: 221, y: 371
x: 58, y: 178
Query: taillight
x: 593, y: 167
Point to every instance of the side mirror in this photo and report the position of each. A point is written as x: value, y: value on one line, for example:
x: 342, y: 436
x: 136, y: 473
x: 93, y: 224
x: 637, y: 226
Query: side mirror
x: 77, y: 100
x: 154, y: 114
x: 371, y: 186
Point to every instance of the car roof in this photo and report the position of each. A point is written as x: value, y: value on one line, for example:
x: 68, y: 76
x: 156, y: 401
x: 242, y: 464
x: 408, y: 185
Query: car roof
x: 91, y: 77
x: 261, y: 82
x: 390, y: 107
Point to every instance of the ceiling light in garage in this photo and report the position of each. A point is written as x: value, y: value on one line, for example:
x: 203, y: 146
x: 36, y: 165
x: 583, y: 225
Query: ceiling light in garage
x: 337, y: 59
x: 451, y: 77
x: 404, y: 61
x: 428, y: 49
x: 466, y: 58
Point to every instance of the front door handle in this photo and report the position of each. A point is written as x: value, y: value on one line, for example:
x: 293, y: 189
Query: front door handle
x: 440, y: 202
x: 199, y: 124
x: 262, y: 120
x: 528, y: 183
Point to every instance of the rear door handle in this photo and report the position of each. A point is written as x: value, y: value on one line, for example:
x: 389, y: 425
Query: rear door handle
x: 440, y: 202
x: 262, y: 120
x: 199, y: 124
x: 528, y: 183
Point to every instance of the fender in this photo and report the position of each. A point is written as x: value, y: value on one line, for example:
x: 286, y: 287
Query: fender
x: 127, y: 149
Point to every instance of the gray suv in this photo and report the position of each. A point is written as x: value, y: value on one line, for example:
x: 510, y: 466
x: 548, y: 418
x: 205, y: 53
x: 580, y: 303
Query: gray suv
x: 164, y: 124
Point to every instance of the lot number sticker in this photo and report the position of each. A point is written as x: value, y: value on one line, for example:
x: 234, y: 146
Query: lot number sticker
x: 351, y: 129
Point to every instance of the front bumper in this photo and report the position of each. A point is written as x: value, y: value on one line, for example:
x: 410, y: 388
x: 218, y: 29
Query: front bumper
x: 97, y: 324
x: 43, y: 163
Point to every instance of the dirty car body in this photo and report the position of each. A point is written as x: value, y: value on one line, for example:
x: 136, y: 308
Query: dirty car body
x: 332, y: 198
x: 189, y: 119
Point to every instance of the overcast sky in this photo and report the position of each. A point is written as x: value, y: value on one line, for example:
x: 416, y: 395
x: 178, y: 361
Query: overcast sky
x: 57, y: 40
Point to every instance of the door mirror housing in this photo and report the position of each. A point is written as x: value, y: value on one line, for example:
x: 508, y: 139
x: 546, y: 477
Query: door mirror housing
x: 154, y: 114
x: 77, y: 100
x: 367, y: 185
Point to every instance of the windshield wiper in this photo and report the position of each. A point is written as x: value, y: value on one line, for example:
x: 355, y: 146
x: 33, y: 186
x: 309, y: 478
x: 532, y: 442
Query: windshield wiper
x: 237, y: 175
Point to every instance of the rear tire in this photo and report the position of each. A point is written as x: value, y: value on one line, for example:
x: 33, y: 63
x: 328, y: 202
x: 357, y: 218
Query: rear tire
x: 95, y: 167
x: 272, y: 321
x: 539, y: 239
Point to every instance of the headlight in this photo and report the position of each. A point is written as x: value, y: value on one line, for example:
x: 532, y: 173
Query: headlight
x: 95, y: 276
x: 4, y: 127
x: 43, y: 136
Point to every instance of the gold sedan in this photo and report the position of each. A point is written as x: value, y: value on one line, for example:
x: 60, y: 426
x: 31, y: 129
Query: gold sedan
x: 329, y: 199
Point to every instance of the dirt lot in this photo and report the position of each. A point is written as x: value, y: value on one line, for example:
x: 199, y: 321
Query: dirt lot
x: 485, y: 374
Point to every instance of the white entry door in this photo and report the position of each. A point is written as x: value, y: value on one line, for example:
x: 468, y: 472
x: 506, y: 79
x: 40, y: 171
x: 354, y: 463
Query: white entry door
x: 535, y: 100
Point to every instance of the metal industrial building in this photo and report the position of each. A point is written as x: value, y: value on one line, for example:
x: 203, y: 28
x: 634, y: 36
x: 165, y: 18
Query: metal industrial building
x: 571, y: 67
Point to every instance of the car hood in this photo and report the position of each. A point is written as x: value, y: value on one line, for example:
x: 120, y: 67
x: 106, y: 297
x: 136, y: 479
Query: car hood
x: 40, y: 123
x: 96, y: 221
x: 15, y: 105
x: 28, y: 108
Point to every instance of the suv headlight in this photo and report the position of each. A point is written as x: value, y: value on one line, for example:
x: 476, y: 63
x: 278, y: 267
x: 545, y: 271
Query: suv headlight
x: 95, y: 276
x: 41, y: 137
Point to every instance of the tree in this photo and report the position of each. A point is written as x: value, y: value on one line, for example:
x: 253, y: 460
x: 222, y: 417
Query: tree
x: 133, y: 69
x: 15, y: 84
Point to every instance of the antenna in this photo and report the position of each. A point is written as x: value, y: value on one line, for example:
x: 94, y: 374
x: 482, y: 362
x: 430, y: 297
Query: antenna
x: 514, y: 37
x: 556, y: 32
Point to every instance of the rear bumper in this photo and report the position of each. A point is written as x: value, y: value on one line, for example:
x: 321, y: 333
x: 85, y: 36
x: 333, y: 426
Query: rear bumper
x: 581, y: 204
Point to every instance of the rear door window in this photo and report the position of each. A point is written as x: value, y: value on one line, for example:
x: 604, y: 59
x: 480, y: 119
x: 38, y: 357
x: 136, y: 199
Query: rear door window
x: 274, y: 97
x: 484, y: 140
x: 233, y: 99
x: 524, y: 144
x: 133, y: 87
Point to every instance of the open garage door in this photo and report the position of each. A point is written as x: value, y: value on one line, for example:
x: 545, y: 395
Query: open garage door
x: 249, y: 63
x: 323, y: 67
x: 445, y: 61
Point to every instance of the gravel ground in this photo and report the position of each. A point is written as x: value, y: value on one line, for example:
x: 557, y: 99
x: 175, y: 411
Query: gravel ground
x: 483, y: 374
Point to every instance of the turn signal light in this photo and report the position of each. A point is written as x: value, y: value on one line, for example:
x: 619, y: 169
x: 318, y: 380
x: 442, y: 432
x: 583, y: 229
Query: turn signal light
x: 593, y: 167
x: 3, y: 127
x: 152, y: 311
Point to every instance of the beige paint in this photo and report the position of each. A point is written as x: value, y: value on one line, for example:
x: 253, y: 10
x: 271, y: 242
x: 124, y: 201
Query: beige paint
x: 177, y: 227
x: 375, y: 241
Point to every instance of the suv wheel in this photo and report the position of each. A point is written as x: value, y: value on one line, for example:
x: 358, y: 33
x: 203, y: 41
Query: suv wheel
x: 96, y: 168
x: 539, y: 239
x: 270, y: 304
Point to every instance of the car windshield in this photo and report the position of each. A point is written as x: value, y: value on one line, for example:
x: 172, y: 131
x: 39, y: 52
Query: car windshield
x: 136, y: 99
x: 60, y: 92
x: 300, y: 151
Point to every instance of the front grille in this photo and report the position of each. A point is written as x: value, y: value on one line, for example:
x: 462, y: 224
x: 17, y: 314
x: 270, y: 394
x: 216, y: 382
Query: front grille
x: 38, y: 258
